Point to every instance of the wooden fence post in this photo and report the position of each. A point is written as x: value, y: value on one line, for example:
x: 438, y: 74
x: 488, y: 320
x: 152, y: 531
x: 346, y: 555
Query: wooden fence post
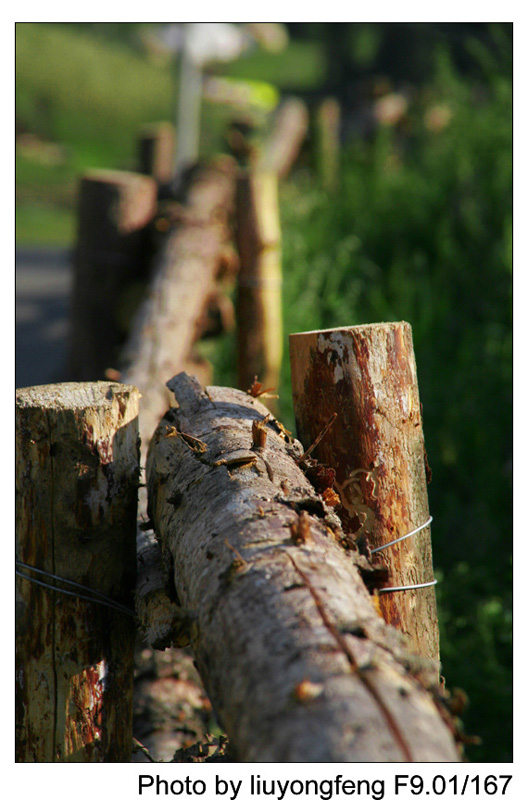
x: 367, y: 376
x: 327, y: 142
x: 281, y: 148
x: 156, y: 151
x: 114, y: 210
x: 77, y: 473
x: 259, y: 306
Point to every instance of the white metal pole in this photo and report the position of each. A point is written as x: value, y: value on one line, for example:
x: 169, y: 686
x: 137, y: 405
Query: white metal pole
x: 189, y: 106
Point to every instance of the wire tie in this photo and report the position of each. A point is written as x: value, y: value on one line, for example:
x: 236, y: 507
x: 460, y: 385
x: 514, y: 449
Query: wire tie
x: 406, y: 588
x: 395, y: 541
x: 99, y: 597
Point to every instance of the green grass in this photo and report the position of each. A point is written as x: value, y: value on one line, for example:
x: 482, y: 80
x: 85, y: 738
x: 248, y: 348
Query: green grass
x: 91, y: 97
x: 75, y: 88
x: 44, y: 225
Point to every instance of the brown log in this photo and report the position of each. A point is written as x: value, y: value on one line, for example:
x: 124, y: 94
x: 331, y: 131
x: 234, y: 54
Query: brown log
x: 282, y: 147
x: 164, y: 332
x: 157, y: 614
x: 110, y: 256
x: 367, y: 376
x: 168, y: 322
x: 259, y: 303
x: 297, y: 662
x: 77, y: 471
x: 156, y: 148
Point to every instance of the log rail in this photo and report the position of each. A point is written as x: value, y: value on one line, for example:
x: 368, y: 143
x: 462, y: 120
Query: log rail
x: 294, y: 656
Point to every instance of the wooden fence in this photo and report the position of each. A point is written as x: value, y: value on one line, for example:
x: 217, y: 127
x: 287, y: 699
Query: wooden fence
x: 281, y: 569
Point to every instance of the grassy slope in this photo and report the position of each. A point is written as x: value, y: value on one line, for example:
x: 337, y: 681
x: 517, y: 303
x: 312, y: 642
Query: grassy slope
x: 89, y: 97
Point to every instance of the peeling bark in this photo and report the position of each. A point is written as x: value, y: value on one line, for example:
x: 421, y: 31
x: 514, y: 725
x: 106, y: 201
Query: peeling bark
x: 297, y: 662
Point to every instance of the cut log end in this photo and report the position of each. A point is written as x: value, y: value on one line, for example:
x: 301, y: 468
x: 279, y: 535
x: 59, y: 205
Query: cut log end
x: 77, y: 395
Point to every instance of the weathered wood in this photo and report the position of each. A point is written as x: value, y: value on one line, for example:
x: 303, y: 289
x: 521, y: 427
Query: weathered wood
x: 157, y: 615
x: 289, y: 129
x: 367, y: 375
x: 156, y: 146
x: 169, y: 320
x: 259, y: 303
x: 110, y: 256
x: 297, y: 662
x: 194, y: 248
x: 77, y: 471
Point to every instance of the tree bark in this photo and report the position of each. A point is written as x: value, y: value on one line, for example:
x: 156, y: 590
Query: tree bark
x: 367, y: 376
x: 110, y: 257
x: 297, y: 662
x: 77, y: 470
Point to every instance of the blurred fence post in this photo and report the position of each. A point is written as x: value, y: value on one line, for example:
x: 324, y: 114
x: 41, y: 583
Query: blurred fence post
x: 111, y: 254
x: 259, y: 299
x: 156, y: 146
x: 289, y: 130
x: 327, y: 142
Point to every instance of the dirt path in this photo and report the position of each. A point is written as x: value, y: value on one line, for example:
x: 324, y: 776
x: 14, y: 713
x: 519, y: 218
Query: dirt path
x: 43, y: 283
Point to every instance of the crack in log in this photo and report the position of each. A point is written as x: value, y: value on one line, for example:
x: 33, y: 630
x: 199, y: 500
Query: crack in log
x: 362, y: 675
x: 53, y: 616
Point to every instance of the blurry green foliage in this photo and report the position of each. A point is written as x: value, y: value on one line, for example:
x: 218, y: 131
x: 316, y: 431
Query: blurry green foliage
x: 400, y: 52
x: 302, y: 65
